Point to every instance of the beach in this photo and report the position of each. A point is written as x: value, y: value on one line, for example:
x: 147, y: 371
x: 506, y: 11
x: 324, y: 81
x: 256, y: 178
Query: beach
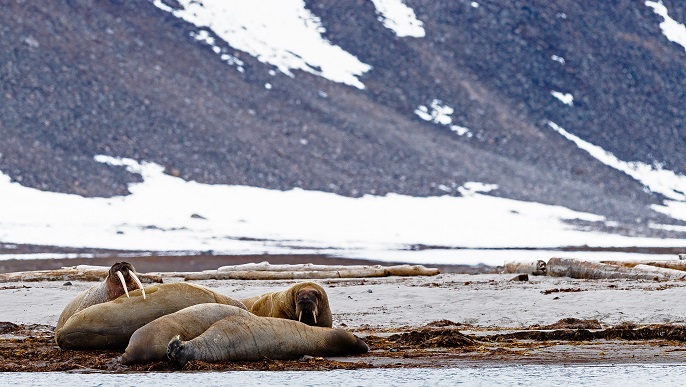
x: 446, y: 320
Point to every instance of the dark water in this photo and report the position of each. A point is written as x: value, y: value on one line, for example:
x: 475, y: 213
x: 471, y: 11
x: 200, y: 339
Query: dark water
x: 623, y: 375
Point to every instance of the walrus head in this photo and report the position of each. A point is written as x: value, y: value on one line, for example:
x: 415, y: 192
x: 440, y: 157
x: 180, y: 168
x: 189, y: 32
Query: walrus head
x: 126, y: 274
x: 306, y: 305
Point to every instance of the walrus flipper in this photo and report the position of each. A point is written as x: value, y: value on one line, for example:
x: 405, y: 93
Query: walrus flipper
x: 176, y: 353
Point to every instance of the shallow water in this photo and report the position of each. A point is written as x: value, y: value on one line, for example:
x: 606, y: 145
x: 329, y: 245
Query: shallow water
x: 526, y: 375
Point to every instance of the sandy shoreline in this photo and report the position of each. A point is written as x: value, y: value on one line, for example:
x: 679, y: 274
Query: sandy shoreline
x: 415, y: 321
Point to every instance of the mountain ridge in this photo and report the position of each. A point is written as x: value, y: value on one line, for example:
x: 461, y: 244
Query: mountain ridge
x: 130, y: 80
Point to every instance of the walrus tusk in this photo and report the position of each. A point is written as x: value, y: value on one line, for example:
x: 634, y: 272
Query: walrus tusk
x: 138, y: 282
x: 314, y: 314
x: 123, y: 283
x: 300, y: 316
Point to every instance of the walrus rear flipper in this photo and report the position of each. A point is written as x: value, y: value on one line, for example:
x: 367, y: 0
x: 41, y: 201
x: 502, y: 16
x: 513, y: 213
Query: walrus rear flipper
x: 345, y: 344
x: 176, y: 354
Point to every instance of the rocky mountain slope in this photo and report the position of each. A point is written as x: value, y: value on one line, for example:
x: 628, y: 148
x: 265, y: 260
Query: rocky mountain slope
x: 476, y: 98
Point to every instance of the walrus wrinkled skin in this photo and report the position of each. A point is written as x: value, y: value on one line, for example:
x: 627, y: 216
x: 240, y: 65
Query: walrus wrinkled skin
x: 149, y: 342
x: 119, y: 281
x: 109, y: 325
x: 251, y: 338
x: 306, y: 302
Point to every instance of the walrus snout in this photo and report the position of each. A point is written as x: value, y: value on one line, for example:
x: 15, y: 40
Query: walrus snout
x: 307, y: 301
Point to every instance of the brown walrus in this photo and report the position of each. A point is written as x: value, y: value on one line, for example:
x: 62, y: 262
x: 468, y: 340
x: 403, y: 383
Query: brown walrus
x: 120, y: 279
x: 305, y: 302
x: 251, y: 338
x: 109, y: 325
x: 149, y: 342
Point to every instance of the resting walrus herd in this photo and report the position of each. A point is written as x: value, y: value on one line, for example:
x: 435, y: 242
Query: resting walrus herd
x: 182, y: 322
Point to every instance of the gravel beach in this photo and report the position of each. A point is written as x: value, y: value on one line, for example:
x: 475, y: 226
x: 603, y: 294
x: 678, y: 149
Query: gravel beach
x: 450, y: 319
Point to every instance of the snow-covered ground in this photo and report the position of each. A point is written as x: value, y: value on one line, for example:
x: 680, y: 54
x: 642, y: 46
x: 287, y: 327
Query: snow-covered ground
x: 166, y: 213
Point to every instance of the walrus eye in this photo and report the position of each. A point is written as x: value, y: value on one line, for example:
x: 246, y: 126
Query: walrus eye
x: 123, y: 283
x: 138, y: 282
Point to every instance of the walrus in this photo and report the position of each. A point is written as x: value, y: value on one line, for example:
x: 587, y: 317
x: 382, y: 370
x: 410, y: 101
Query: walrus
x: 120, y: 279
x: 306, y: 302
x: 109, y: 325
x: 149, y: 342
x: 251, y: 338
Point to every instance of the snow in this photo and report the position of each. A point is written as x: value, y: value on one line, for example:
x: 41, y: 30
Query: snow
x: 655, y: 178
x: 565, y: 98
x: 439, y: 113
x: 204, y: 36
x: 166, y: 213
x: 673, y: 30
x: 288, y: 37
x: 399, y: 18
x: 558, y: 59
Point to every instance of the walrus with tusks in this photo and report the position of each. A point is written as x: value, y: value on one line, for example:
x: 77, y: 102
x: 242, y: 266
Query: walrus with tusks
x: 306, y: 302
x: 109, y: 325
x: 120, y: 279
x: 251, y: 338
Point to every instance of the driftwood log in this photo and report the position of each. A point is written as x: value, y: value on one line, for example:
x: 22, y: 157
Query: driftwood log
x: 74, y: 273
x: 265, y: 271
x: 576, y: 268
x: 250, y: 271
x: 537, y: 267
x: 668, y: 264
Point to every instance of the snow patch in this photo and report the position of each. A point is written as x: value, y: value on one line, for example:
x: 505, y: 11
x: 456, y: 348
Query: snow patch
x: 166, y: 213
x: 288, y: 36
x: 205, y: 37
x: 673, y: 30
x: 473, y: 187
x: 558, y: 59
x: 399, y: 18
x: 439, y: 113
x: 565, y: 98
x: 655, y: 178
